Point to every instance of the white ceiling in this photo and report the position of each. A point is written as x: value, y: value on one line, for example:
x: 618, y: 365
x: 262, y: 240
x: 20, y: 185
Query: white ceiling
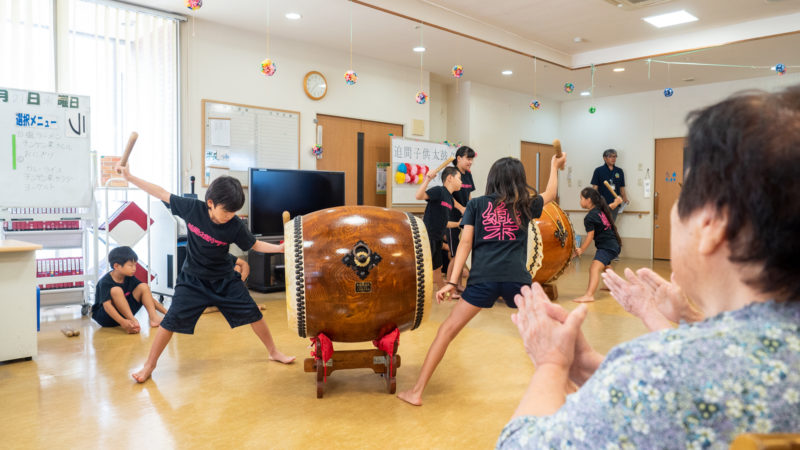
x: 505, y: 34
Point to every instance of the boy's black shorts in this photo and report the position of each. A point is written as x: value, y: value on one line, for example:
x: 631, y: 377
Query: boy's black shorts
x: 194, y: 294
x: 104, y: 320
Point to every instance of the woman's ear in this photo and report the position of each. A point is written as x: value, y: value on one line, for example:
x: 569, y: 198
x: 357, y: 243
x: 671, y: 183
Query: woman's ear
x: 710, y: 226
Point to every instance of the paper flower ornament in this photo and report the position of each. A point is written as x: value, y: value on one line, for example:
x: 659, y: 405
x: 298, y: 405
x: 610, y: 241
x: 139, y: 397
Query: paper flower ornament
x: 458, y: 71
x: 350, y: 77
x: 194, y: 4
x: 422, y: 97
x: 268, y: 67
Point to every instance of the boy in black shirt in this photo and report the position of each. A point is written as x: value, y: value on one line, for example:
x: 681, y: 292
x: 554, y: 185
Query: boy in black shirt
x: 207, y: 277
x: 119, y: 294
x: 437, y: 213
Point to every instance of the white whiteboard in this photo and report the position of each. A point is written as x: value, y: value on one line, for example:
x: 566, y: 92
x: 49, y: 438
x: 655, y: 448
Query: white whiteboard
x: 45, y: 149
x: 237, y: 137
x: 414, y: 152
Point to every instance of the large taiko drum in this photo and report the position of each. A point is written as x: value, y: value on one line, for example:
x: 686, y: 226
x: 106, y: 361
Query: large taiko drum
x: 551, y: 241
x: 355, y: 273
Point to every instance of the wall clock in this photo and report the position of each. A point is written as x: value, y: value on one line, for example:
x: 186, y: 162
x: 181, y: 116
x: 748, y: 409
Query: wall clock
x: 315, y: 85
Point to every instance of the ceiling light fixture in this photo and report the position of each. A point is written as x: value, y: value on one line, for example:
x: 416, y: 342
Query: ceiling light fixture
x: 293, y: 16
x: 619, y: 69
x: 670, y: 19
x: 419, y: 49
x: 506, y: 72
x: 585, y: 94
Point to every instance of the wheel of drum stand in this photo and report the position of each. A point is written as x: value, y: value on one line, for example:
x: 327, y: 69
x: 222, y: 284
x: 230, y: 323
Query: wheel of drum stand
x: 391, y: 379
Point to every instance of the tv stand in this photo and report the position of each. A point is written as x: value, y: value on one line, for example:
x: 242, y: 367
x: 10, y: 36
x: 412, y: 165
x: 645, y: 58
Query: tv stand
x: 266, y: 272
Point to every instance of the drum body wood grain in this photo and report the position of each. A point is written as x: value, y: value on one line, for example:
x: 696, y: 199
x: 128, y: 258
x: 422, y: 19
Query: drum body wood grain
x: 551, y: 241
x: 356, y: 272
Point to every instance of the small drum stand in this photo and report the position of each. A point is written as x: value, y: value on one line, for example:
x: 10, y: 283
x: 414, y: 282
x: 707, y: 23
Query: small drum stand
x: 377, y: 360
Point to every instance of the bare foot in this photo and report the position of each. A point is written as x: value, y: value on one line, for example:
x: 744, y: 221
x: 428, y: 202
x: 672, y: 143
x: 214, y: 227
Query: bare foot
x: 584, y: 299
x: 131, y: 326
x: 262, y: 307
x: 280, y: 357
x: 155, y: 322
x: 143, y: 374
x: 411, y: 397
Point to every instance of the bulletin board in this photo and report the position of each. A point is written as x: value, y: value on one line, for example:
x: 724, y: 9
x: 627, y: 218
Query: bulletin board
x: 236, y: 137
x: 45, y: 149
x: 414, y: 153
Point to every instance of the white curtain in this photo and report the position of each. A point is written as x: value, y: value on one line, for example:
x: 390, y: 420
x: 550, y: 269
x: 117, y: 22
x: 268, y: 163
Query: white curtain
x: 26, y: 45
x: 126, y: 61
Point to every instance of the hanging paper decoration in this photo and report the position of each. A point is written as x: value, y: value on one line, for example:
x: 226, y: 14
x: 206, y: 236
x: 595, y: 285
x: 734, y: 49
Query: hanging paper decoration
x: 317, y: 151
x: 780, y: 68
x: 350, y: 77
x: 268, y: 67
x: 422, y: 97
x: 592, y: 110
x: 458, y: 71
x: 668, y: 92
x: 535, y: 105
x: 569, y: 87
x: 194, y: 4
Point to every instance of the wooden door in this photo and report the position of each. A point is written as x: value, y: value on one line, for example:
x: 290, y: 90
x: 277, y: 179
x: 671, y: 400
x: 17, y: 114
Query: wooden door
x: 529, y: 151
x: 340, y: 153
x: 339, y: 141
x: 667, y: 179
x: 377, y: 148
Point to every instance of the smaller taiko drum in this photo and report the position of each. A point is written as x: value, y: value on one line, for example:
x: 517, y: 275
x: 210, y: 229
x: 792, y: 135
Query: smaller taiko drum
x: 355, y: 273
x: 551, y: 242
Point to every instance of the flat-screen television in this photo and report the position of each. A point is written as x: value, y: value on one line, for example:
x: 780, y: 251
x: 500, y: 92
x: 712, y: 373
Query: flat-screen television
x: 273, y: 191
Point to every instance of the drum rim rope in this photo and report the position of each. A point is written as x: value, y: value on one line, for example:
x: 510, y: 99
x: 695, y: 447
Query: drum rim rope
x: 420, y: 266
x: 300, y: 286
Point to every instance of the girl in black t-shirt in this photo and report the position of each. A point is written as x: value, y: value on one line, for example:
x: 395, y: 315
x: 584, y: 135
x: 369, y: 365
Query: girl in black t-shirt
x: 600, y: 228
x: 495, y: 232
x: 463, y: 162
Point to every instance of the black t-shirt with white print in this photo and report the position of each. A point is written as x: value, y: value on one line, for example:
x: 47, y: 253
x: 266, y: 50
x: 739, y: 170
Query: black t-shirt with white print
x: 440, y: 203
x: 462, y: 195
x: 499, y: 245
x: 208, y: 242
x: 604, y: 236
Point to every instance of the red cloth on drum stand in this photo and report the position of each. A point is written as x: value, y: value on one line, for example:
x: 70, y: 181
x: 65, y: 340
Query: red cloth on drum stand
x: 388, y: 343
x: 326, y: 347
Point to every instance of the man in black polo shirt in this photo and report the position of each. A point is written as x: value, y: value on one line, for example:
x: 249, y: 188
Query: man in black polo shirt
x: 615, y: 177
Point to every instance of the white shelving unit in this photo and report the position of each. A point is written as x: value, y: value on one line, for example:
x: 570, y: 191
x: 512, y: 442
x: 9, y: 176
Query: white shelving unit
x: 59, y: 241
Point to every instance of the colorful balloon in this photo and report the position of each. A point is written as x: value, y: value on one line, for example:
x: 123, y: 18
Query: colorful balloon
x: 668, y: 92
x: 458, y: 71
x: 399, y: 177
x: 780, y: 68
x: 592, y: 110
x: 569, y: 87
x: 535, y: 105
x: 422, y: 97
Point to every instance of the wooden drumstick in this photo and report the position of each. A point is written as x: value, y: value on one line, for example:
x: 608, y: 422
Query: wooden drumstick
x: 610, y: 189
x: 128, y: 148
x: 557, y: 146
x: 286, y: 216
x: 444, y: 164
